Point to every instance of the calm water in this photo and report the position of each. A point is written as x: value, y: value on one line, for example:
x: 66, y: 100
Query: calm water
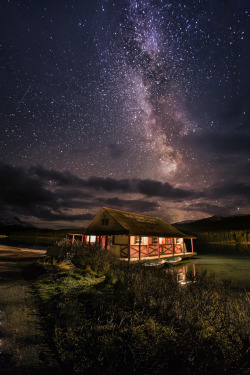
x: 234, y: 268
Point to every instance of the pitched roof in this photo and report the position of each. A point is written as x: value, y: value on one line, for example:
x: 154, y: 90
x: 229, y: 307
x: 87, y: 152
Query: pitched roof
x: 135, y: 224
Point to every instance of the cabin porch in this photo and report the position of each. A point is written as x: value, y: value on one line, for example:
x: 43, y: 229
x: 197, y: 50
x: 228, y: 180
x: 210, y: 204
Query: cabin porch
x: 132, y: 248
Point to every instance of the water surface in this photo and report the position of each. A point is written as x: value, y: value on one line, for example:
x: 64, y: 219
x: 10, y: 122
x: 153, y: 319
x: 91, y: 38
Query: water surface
x: 225, y: 267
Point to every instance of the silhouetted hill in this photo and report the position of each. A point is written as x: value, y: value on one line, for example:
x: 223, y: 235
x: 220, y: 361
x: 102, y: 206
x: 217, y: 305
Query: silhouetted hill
x: 215, y: 224
x: 11, y: 224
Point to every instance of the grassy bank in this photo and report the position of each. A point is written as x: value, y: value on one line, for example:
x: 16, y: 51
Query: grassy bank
x: 107, y: 316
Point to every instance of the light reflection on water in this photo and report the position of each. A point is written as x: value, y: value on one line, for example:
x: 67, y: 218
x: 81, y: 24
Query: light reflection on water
x: 233, y: 268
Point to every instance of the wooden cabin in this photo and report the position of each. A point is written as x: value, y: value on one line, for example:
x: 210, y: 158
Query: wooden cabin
x: 134, y: 237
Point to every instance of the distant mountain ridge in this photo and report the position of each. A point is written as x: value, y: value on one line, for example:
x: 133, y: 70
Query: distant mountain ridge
x: 13, y: 223
x: 215, y: 223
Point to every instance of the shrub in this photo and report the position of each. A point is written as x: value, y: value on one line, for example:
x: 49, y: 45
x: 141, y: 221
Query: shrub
x: 139, y: 320
x: 87, y: 256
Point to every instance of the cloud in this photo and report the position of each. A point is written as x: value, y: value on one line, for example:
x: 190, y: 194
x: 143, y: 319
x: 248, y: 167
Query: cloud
x: 24, y: 193
x: 219, y: 143
x: 147, y: 187
x: 116, y: 151
x: 155, y: 188
x: 55, y: 196
x: 20, y: 188
x: 231, y: 190
x: 206, y: 208
x: 60, y: 178
x: 128, y: 205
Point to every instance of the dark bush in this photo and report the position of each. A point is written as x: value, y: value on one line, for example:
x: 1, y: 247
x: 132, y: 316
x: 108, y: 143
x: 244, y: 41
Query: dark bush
x: 139, y: 320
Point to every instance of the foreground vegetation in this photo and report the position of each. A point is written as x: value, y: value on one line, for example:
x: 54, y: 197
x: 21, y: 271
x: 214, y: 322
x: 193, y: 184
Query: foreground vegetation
x: 110, y: 317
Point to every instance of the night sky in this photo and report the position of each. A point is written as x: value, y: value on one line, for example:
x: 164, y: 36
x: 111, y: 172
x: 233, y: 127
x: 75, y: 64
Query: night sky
x: 139, y: 105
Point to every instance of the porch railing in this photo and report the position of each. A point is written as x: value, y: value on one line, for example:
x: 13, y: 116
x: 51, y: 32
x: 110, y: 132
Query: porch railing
x: 154, y: 250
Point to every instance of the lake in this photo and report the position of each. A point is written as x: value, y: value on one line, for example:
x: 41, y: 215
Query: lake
x: 225, y: 267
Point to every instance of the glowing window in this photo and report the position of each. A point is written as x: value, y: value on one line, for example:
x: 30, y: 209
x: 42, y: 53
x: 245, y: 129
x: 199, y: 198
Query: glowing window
x: 91, y: 239
x: 179, y: 240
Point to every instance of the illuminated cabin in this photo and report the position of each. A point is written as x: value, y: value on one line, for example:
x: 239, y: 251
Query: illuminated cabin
x: 133, y: 237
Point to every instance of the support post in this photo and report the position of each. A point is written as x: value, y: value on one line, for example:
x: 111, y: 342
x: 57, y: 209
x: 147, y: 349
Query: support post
x: 158, y: 248
x: 106, y: 242
x: 139, y: 247
x: 173, y: 247
x: 192, y: 245
x: 129, y: 248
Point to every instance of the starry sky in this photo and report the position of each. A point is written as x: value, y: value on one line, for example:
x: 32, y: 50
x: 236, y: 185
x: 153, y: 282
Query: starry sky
x: 139, y: 105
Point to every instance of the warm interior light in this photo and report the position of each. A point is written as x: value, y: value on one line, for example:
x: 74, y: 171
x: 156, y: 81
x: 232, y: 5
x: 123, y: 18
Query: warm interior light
x: 179, y: 240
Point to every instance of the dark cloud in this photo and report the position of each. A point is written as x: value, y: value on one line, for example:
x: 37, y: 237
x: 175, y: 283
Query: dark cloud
x: 66, y: 179
x: 231, y: 190
x: 48, y: 215
x: 116, y: 151
x: 223, y: 199
x: 155, y: 188
x: 54, y: 196
x: 61, y: 179
x: 219, y: 143
x: 109, y: 184
x: 20, y: 188
x: 24, y: 193
x: 149, y: 188
x: 128, y: 205
x: 207, y: 207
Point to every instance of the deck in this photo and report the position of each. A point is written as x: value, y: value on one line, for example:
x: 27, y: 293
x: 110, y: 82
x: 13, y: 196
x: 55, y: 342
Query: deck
x: 186, y: 255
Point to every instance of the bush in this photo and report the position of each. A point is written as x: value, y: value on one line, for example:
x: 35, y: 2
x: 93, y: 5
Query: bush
x: 87, y: 256
x: 139, y: 320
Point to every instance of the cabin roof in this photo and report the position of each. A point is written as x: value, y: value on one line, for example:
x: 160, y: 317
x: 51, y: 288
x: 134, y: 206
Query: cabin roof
x: 135, y: 224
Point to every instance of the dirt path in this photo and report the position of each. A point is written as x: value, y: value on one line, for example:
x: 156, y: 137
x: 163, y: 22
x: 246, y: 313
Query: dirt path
x: 24, y: 347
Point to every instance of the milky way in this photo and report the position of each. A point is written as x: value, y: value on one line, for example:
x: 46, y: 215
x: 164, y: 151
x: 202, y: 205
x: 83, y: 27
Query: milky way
x: 151, y: 92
